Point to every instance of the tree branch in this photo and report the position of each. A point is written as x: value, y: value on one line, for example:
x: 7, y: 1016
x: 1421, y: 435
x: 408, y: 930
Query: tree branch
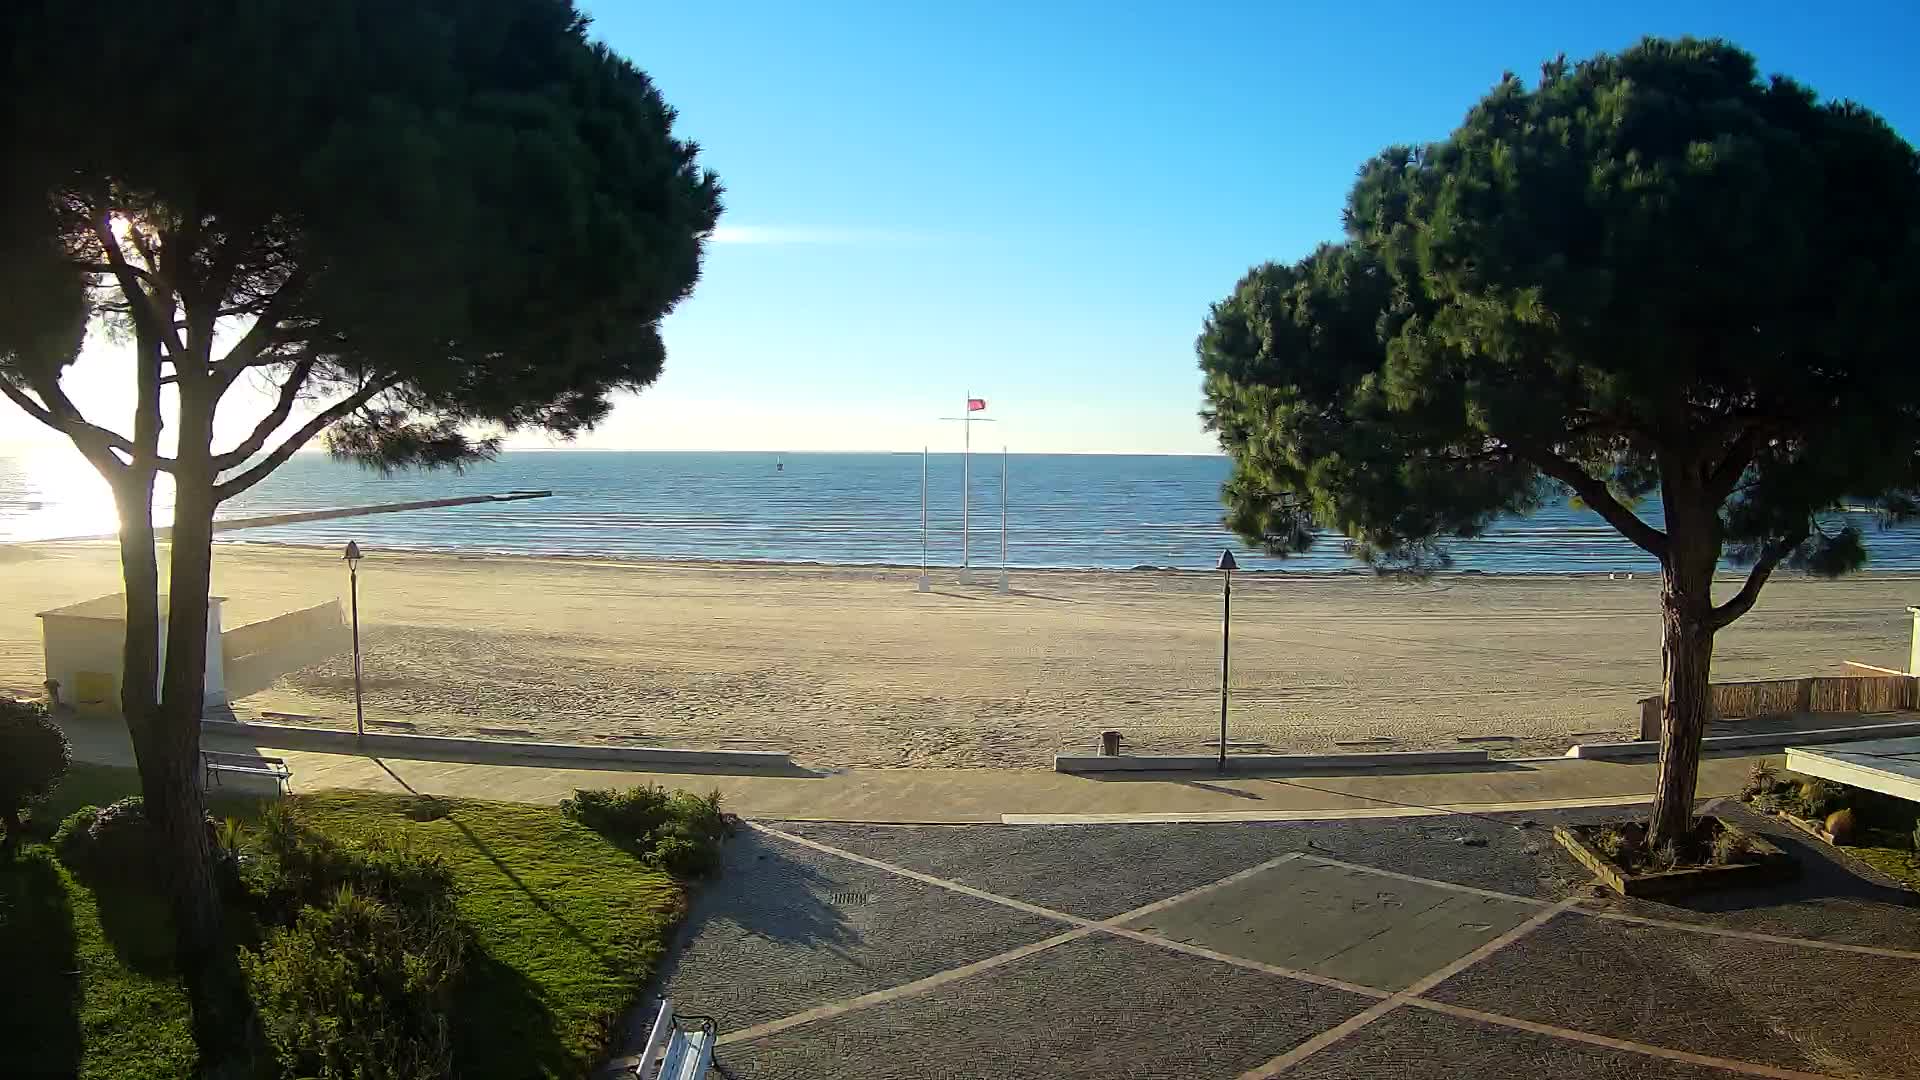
x: 139, y: 241
x: 1595, y: 494
x: 1742, y: 601
x: 1733, y: 464
x: 229, y: 488
x: 93, y: 441
x: 139, y: 303
x: 104, y: 268
x: 260, y: 334
x: 283, y: 408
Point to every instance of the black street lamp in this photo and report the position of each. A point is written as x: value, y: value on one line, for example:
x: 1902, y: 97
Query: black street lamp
x: 1226, y: 566
x: 353, y: 576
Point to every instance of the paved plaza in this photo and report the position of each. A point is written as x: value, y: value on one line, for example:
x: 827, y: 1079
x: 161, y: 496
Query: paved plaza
x: 1458, y: 946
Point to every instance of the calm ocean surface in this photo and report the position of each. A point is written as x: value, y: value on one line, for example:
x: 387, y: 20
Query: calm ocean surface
x: 1063, y: 511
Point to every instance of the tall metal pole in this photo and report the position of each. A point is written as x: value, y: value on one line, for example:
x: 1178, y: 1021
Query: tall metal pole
x: 359, y: 712
x: 1003, y: 520
x: 924, y: 584
x: 1226, y: 627
x: 966, y: 483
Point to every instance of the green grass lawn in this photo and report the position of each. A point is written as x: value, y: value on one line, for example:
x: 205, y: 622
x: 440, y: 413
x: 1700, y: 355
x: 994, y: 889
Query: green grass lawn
x: 1881, y: 852
x: 568, y: 928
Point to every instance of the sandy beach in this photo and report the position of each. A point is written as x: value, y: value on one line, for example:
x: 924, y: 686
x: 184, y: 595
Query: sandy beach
x: 850, y: 666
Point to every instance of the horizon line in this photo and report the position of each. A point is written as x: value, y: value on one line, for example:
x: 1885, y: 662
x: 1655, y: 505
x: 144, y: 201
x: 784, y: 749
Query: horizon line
x: 736, y: 450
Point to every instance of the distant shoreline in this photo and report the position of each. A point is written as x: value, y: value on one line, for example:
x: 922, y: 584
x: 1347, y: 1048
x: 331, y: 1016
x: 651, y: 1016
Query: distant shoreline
x: 983, y: 572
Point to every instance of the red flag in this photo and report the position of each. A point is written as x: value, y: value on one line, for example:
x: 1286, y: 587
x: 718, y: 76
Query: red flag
x: 976, y: 404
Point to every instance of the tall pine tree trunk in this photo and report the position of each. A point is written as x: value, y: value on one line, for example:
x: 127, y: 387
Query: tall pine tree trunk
x: 1686, y: 650
x: 176, y: 804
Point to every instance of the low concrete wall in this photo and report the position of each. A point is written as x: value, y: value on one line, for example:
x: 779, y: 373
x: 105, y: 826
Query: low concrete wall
x: 283, y: 630
x: 335, y: 741
x: 1093, y: 763
x: 1767, y: 740
x: 260, y: 652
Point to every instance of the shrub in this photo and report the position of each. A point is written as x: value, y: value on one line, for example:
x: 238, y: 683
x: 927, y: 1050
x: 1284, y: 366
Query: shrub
x: 1731, y: 845
x: 33, y: 757
x: 1842, y: 826
x: 291, y: 867
x: 1818, y: 798
x: 1665, y: 857
x: 633, y: 813
x: 684, y: 858
x: 677, y: 831
x: 1761, y: 780
x: 116, y: 845
x: 358, y: 988
x: 111, y: 845
x: 72, y: 834
x: 429, y: 808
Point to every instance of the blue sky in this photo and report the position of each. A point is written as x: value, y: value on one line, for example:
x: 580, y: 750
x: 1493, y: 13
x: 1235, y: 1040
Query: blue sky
x: 1036, y: 202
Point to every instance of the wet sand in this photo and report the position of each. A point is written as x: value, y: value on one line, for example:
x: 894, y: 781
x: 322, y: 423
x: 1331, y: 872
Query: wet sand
x: 850, y: 666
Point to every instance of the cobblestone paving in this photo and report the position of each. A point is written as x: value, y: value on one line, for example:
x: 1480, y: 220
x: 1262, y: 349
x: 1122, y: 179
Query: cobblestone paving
x: 1096, y: 1007
x: 1785, y: 1005
x: 1416, y: 1043
x: 783, y: 929
x: 813, y: 961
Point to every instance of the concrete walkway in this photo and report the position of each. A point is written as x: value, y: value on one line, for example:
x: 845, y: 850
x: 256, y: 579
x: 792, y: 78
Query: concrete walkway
x: 1020, y: 796
x: 1417, y: 949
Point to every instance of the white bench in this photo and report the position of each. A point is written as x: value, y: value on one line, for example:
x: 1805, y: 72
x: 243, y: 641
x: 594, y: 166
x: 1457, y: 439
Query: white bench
x: 214, y: 763
x: 684, y: 1055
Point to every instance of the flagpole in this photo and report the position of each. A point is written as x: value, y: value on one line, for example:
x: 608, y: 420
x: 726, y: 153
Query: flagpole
x: 1003, y: 520
x: 966, y: 484
x: 924, y: 585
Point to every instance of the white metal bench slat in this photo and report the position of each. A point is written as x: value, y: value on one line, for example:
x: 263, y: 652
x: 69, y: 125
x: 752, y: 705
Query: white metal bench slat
x: 213, y: 761
x: 662, y: 1025
x: 688, y: 1054
x: 696, y: 1056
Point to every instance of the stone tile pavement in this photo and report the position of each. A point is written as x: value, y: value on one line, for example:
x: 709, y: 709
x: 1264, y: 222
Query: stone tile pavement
x: 1458, y: 947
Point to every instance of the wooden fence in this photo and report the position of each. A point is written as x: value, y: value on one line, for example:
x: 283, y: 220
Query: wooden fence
x: 1779, y: 697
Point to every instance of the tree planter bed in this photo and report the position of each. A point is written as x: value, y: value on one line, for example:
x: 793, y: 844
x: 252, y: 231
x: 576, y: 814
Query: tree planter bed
x: 1764, y: 864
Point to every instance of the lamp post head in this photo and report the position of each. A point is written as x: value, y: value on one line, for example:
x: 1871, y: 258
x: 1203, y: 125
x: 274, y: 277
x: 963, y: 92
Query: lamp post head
x: 1227, y: 562
x: 353, y: 554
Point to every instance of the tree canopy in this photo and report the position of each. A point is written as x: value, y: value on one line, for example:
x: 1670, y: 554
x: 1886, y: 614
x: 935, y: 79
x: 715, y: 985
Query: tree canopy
x: 1649, y: 275
x: 1645, y: 265
x: 420, y: 219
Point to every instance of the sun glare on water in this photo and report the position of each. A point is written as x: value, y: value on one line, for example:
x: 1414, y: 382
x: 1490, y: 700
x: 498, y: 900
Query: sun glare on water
x: 53, y: 494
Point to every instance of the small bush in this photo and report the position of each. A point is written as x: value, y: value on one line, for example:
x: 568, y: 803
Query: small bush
x: 358, y: 988
x: 1663, y: 858
x: 1818, y: 798
x: 428, y: 808
x: 1731, y: 845
x: 111, y: 845
x: 117, y: 845
x: 72, y: 835
x: 677, y: 831
x: 1843, y: 826
x: 684, y: 858
x: 291, y: 867
x: 33, y: 757
x: 1761, y: 780
x: 635, y: 812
